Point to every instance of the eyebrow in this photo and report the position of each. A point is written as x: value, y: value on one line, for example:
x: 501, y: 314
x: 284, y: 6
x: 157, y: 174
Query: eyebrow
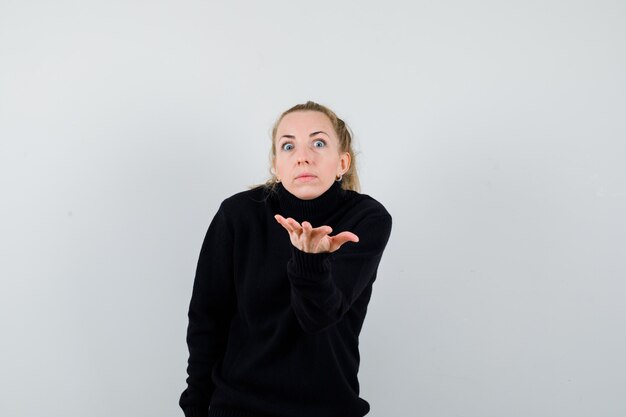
x: 311, y: 135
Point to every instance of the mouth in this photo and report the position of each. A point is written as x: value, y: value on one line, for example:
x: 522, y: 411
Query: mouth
x: 306, y: 177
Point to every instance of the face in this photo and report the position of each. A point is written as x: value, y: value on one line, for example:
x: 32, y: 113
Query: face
x: 308, y: 158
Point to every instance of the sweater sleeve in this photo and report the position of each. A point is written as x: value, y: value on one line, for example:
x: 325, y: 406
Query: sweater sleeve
x: 210, y: 310
x: 325, y: 285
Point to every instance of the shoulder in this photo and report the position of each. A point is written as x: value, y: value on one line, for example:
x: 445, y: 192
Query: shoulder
x: 366, y: 205
x: 244, y: 203
x: 254, y: 196
x: 369, y: 219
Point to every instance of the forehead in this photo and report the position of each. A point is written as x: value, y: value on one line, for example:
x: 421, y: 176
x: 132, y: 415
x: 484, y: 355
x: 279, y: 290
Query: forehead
x: 305, y: 122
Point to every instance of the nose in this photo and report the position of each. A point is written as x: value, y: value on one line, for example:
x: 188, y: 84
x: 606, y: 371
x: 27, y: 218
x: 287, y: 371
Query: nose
x: 303, y: 156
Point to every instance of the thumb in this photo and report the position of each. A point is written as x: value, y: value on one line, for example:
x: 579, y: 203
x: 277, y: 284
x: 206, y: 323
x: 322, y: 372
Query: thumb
x: 339, y: 239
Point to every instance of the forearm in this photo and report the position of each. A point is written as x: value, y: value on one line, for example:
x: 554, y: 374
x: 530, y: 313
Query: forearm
x: 324, y: 286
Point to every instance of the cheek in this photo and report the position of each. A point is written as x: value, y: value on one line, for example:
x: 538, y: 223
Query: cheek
x: 280, y: 164
x: 333, y: 162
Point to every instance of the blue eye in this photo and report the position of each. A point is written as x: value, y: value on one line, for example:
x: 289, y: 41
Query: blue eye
x: 319, y: 143
x: 287, y: 147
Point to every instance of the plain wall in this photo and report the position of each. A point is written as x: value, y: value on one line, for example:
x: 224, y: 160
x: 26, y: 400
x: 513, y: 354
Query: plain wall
x: 494, y: 132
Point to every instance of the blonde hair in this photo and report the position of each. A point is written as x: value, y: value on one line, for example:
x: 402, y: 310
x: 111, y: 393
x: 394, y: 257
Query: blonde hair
x: 350, y: 179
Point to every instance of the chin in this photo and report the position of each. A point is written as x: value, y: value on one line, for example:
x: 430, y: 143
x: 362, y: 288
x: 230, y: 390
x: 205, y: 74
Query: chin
x: 307, y: 192
x: 307, y: 195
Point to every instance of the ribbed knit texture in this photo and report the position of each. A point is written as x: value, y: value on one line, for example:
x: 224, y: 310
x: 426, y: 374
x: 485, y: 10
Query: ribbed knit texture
x: 273, y: 331
x: 224, y: 412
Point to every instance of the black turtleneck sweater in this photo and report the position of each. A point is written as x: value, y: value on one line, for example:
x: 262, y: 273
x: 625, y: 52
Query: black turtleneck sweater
x: 273, y: 331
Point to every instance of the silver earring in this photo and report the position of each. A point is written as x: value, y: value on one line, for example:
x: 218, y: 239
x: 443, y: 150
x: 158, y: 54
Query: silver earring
x: 277, y: 180
x: 340, y: 178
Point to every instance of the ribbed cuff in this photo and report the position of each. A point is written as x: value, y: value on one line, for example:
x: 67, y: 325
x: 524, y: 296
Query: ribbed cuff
x: 305, y: 265
x: 196, y: 411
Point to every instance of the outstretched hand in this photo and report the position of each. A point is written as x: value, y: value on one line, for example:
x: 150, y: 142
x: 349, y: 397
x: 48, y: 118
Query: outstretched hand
x: 314, y: 240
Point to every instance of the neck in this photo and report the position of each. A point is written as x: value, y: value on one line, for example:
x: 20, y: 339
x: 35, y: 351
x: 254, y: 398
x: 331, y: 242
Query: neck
x: 314, y: 210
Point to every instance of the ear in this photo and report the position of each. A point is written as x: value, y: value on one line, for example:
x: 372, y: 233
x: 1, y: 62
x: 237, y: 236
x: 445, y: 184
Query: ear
x: 344, y: 163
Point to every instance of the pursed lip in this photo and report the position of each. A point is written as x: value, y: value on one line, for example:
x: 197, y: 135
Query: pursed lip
x: 305, y: 175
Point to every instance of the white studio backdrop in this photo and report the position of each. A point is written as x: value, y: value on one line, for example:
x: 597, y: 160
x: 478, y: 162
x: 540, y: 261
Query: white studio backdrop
x: 494, y: 133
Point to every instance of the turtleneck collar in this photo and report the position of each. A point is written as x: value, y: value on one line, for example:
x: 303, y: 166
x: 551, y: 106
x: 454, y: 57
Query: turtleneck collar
x: 315, y: 210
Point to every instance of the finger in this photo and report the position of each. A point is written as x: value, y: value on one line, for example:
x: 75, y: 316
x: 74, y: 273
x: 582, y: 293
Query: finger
x: 295, y: 226
x: 282, y: 221
x: 338, y: 240
x: 294, y: 223
x: 306, y: 230
x: 285, y: 223
x: 311, y: 237
x: 323, y: 230
x: 318, y: 234
x: 349, y: 236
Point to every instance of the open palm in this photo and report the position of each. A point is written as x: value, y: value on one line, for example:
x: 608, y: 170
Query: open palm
x: 314, y: 239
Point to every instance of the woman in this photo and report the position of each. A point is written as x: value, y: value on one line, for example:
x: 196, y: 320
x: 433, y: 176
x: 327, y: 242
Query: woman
x: 278, y: 300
